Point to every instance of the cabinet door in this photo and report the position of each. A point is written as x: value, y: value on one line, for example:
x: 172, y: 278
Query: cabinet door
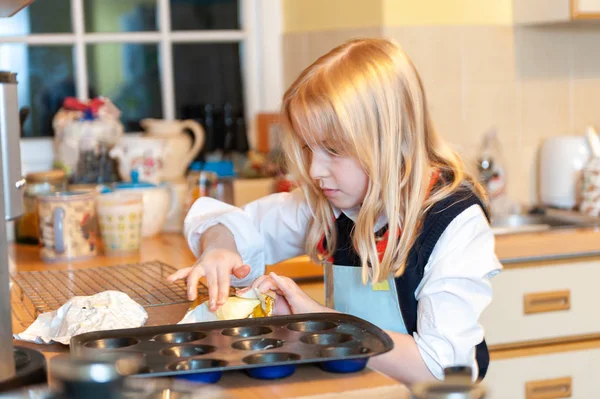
x: 551, y: 376
x: 540, y: 303
x: 585, y: 9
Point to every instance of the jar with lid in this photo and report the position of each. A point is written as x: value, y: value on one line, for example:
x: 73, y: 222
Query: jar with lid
x: 201, y: 184
x: 52, y: 181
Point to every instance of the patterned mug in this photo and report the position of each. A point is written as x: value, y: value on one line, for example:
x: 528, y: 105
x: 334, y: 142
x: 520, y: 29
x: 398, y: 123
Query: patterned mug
x: 68, y: 226
x: 120, y: 216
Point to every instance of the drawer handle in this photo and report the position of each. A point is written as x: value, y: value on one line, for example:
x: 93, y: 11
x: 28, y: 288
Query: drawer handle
x: 540, y: 302
x: 549, y: 389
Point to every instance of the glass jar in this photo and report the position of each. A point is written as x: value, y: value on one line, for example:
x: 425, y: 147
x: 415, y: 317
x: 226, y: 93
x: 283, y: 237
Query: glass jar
x: 201, y: 184
x: 26, y: 226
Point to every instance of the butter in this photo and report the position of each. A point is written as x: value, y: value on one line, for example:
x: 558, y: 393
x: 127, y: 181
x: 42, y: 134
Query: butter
x: 237, y: 308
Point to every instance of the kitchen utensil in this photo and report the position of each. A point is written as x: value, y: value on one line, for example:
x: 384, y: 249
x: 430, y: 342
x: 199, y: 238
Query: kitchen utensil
x: 102, y: 378
x: 145, y: 282
x: 30, y: 369
x: 562, y: 160
x: 120, y: 219
x: 106, y: 377
x: 456, y: 385
x: 68, y: 226
x: 12, y: 204
x: 179, y: 149
x: 266, y: 348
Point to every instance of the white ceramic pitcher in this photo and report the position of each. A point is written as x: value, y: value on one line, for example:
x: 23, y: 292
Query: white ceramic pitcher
x: 180, y: 150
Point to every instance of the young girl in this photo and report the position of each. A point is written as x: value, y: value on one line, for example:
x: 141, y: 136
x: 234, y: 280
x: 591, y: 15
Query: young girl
x: 383, y: 201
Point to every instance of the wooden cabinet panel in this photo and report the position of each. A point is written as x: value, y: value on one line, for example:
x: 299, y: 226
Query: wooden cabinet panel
x: 541, y: 303
x: 557, y: 375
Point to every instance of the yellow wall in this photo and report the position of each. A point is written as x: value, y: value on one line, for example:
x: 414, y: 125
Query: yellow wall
x: 319, y: 15
x: 447, y: 12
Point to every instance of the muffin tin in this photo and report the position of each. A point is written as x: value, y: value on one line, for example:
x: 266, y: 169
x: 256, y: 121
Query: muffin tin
x: 266, y: 348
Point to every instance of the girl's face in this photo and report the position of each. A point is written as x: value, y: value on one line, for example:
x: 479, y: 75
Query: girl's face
x: 342, y: 179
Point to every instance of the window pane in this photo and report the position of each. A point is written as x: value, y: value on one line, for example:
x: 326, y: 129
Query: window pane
x: 34, y: 19
x: 45, y: 76
x: 129, y: 75
x: 204, y: 14
x: 209, y: 76
x: 120, y: 15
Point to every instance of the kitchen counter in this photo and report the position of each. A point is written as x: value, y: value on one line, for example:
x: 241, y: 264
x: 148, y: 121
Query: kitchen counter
x: 520, y: 247
x: 172, y: 249
x: 513, y: 250
x: 548, y: 245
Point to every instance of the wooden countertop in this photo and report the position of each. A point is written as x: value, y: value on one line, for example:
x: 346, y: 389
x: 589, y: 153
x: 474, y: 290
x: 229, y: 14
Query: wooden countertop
x: 514, y: 249
x: 172, y: 249
x: 552, y: 244
x: 521, y: 247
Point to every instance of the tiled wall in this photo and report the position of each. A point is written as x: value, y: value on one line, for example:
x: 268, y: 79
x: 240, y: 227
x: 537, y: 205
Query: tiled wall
x: 528, y: 82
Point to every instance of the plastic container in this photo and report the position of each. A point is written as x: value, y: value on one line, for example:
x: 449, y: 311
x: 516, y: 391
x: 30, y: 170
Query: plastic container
x: 40, y: 183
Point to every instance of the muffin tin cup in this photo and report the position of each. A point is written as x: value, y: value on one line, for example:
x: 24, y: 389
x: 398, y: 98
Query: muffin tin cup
x: 350, y: 364
x: 200, y: 366
x: 267, y: 372
x: 266, y: 348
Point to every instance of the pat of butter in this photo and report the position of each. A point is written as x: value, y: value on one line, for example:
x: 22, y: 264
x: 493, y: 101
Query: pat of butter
x: 236, y: 308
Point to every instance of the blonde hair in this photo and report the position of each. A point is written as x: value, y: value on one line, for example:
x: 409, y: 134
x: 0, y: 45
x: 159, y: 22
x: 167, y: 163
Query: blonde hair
x: 366, y: 100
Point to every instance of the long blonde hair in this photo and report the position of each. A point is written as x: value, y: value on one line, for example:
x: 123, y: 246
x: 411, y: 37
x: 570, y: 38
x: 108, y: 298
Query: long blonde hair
x: 366, y: 100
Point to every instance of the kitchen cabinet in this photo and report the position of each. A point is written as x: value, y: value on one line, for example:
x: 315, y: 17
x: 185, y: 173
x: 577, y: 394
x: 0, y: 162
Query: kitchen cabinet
x: 552, y: 11
x: 549, y: 375
x: 543, y: 301
x: 542, y: 330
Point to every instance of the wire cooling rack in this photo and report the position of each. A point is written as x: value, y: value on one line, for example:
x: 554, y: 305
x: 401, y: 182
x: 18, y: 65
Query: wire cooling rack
x: 145, y: 282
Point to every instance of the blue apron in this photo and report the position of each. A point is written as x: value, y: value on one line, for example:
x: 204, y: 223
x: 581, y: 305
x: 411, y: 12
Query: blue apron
x: 379, y: 305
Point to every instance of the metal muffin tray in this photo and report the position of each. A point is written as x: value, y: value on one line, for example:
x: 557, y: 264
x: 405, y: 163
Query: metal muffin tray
x: 266, y: 348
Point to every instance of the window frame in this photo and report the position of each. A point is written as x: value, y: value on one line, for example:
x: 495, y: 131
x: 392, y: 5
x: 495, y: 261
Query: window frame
x: 262, y: 74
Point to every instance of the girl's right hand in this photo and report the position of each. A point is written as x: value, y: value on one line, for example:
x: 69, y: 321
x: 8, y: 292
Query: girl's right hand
x: 217, y: 265
x: 290, y: 297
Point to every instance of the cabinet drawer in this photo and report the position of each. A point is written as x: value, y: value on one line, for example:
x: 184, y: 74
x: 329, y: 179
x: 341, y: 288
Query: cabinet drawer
x: 552, y: 376
x: 544, y: 302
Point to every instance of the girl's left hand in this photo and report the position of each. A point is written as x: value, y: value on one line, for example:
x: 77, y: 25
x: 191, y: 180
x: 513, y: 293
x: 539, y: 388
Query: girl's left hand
x: 290, y: 298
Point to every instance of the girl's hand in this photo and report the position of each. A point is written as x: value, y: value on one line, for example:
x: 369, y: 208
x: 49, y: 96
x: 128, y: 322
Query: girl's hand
x: 290, y: 298
x: 217, y: 265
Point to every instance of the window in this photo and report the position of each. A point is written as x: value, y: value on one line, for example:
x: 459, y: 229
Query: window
x: 152, y: 58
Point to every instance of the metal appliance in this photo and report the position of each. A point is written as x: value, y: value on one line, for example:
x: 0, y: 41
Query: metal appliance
x: 11, y: 196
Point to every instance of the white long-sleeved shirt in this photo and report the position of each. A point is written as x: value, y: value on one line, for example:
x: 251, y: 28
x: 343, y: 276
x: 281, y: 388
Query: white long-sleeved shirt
x: 454, y: 291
